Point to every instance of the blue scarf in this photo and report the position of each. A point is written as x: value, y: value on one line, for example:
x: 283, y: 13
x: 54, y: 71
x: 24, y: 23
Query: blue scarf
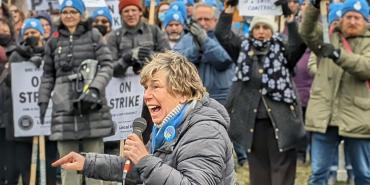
x: 167, y: 132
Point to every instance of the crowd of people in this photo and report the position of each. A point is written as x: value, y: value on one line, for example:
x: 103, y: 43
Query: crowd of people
x: 271, y: 89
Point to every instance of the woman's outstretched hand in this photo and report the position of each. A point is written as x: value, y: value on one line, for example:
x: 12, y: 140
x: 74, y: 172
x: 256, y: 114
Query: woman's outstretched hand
x: 71, y: 161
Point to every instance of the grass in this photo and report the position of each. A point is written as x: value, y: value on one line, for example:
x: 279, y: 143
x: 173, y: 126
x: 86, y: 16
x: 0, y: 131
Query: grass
x: 303, y: 171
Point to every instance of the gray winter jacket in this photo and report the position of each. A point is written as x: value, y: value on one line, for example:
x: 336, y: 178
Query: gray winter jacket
x: 200, y: 154
x: 122, y: 40
x: 64, y: 53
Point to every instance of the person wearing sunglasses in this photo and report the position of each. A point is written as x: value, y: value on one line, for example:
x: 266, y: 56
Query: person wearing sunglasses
x: 77, y: 126
x: 102, y: 20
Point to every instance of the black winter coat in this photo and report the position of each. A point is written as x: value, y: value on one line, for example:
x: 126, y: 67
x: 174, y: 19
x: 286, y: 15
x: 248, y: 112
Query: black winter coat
x: 64, y: 52
x: 245, y: 100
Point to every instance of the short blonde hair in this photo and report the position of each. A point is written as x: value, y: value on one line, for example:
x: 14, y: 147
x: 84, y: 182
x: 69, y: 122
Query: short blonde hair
x: 182, y: 75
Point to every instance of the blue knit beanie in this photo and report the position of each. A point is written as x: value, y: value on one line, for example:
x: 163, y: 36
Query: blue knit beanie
x: 359, y: 6
x: 215, y: 3
x: 76, y: 4
x: 335, y: 12
x: 179, y: 6
x: 32, y: 23
x: 187, y: 2
x: 103, y: 11
x: 173, y: 15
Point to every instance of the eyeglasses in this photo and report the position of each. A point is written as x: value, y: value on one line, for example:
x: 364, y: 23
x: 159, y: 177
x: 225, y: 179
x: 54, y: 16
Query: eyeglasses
x: 72, y: 13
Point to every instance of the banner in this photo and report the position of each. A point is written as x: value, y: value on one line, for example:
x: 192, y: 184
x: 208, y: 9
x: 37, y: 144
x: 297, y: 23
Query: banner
x: 125, y: 97
x: 26, y: 113
x: 258, y: 7
x: 113, y: 6
x: 42, y: 5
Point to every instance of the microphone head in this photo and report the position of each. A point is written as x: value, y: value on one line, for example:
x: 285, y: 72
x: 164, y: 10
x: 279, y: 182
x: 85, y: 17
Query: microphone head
x: 139, y: 125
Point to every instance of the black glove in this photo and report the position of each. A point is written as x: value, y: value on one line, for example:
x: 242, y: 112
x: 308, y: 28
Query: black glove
x: 127, y: 58
x: 89, y: 101
x: 232, y: 2
x: 141, y: 53
x: 316, y: 3
x: 37, y: 60
x: 284, y: 7
x: 43, y: 107
x: 329, y: 51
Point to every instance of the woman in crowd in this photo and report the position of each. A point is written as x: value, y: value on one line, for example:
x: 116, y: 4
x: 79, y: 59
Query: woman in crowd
x: 189, y: 143
x: 80, y: 115
x: 18, y: 18
x: 47, y: 24
x: 266, y: 118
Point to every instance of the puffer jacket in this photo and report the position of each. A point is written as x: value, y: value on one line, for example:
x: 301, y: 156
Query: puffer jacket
x: 64, y: 53
x: 340, y: 94
x: 200, y: 154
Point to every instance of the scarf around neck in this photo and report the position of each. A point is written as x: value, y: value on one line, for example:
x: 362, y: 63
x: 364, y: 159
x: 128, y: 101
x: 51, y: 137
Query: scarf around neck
x: 166, y: 131
x: 276, y: 80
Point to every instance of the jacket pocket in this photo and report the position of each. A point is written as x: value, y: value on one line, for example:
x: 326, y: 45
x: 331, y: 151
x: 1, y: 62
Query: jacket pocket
x: 147, y: 44
x: 361, y: 102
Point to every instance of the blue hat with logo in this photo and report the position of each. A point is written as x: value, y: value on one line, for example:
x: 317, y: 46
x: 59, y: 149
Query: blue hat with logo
x: 173, y: 15
x: 32, y: 23
x: 147, y: 3
x: 103, y: 11
x: 187, y: 2
x: 359, y: 6
x: 215, y: 3
x: 179, y: 6
x: 76, y: 4
x: 335, y: 12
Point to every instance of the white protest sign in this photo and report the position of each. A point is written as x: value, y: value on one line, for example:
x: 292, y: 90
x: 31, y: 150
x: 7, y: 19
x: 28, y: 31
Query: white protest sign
x: 258, y: 7
x: 113, y: 6
x: 26, y: 113
x: 42, y: 5
x: 125, y: 97
x: 90, y: 3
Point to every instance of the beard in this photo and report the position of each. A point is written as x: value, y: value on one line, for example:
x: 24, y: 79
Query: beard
x: 174, y: 36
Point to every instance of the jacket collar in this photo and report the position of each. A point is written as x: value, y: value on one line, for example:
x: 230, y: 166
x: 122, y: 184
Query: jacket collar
x: 139, y: 28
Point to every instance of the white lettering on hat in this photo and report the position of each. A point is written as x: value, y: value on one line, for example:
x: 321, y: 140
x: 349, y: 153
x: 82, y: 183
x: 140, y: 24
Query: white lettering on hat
x: 357, y: 6
x: 100, y: 12
x: 33, y: 24
x: 175, y: 7
x: 69, y: 3
x: 176, y: 16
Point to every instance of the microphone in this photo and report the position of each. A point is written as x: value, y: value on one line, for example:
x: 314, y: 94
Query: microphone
x: 138, y: 126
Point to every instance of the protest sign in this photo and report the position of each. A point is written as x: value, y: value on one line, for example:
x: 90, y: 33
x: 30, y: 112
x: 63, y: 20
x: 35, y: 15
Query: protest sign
x: 42, y: 5
x: 91, y: 3
x: 26, y: 114
x: 125, y: 97
x: 258, y: 7
x: 113, y: 6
